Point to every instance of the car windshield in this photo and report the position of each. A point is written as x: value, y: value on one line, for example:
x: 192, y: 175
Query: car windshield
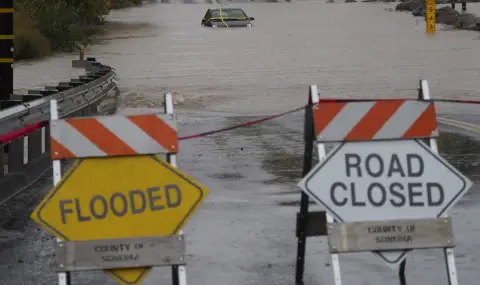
x: 228, y: 13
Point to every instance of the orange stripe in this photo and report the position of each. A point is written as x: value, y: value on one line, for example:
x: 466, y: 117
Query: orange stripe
x: 158, y: 130
x: 102, y: 137
x: 324, y: 113
x: 424, y: 125
x: 374, y: 120
x: 58, y: 151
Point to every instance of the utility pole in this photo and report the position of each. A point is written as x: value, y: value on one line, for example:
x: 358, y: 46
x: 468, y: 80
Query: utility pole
x: 6, y: 50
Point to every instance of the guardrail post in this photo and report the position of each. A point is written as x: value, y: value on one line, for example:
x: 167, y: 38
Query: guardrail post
x: 86, y: 111
x: 2, y: 162
x: 46, y: 138
x: 93, y: 108
x: 16, y: 152
x: 34, y: 145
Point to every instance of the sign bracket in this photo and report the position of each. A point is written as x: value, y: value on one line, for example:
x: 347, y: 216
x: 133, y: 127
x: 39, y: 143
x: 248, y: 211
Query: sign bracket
x: 88, y: 255
x: 385, y: 235
x: 179, y: 272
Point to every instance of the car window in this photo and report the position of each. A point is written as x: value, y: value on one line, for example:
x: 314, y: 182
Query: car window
x: 207, y: 15
x: 228, y: 13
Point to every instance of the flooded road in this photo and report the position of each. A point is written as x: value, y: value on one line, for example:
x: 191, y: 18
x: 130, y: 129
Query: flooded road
x: 353, y: 50
x: 245, y: 231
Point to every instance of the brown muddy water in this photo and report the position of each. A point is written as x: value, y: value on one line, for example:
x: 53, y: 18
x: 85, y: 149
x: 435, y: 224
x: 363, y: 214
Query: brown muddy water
x: 349, y: 50
x: 245, y: 232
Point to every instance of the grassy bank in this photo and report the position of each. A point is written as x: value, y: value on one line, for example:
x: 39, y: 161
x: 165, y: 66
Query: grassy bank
x: 46, y: 26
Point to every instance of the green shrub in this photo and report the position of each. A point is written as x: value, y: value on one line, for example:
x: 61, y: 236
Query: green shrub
x: 58, y: 21
x: 44, y: 25
x: 29, y: 42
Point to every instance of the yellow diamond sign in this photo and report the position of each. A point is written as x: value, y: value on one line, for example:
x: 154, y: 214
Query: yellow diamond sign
x: 120, y: 197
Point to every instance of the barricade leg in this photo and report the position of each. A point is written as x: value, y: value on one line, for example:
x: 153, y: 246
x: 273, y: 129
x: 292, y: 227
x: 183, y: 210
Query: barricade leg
x: 304, y: 200
x: 448, y: 252
x: 401, y: 273
x: 337, y: 278
x: 424, y: 94
x: 63, y: 278
x: 179, y: 273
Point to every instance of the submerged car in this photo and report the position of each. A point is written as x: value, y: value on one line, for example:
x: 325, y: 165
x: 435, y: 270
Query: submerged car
x: 227, y: 17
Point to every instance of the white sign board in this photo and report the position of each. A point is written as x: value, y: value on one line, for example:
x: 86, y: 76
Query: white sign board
x: 385, y: 180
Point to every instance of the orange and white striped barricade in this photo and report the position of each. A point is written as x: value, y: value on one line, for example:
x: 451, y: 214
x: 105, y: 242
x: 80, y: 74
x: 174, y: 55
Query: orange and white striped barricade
x: 383, y: 188
x: 121, y: 206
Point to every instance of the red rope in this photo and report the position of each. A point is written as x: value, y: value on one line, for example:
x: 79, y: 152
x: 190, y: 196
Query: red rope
x: 246, y: 124
x: 326, y: 100
x: 6, y: 138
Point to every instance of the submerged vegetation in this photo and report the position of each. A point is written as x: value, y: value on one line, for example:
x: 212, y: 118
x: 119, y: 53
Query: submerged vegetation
x: 45, y: 26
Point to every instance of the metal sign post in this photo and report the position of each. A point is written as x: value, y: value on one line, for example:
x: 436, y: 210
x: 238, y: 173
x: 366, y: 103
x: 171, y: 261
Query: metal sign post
x: 387, y: 189
x: 430, y: 10
x: 6, y: 50
x: 120, y: 207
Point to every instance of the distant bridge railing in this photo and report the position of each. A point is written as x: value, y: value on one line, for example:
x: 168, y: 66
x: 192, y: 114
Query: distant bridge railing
x: 24, y: 122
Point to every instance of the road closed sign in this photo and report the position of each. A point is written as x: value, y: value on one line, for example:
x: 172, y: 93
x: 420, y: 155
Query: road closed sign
x: 385, y: 180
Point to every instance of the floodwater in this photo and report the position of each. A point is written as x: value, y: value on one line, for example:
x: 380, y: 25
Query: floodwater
x: 245, y: 231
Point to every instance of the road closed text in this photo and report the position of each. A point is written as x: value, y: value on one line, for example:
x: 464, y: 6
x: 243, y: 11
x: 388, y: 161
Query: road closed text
x: 119, y: 204
x: 393, y: 181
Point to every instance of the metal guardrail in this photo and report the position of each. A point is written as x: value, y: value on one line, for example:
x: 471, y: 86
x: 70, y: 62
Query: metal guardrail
x: 76, y: 95
x: 24, y: 128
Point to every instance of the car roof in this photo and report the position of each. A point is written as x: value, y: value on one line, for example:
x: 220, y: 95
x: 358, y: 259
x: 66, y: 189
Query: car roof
x: 218, y: 9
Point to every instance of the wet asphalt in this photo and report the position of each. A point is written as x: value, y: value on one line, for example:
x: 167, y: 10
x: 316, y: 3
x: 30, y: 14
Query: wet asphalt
x: 244, y: 232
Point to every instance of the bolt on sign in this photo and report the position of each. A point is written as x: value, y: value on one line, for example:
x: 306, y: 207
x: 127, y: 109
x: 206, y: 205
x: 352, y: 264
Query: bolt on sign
x: 120, y: 207
x: 388, y: 191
